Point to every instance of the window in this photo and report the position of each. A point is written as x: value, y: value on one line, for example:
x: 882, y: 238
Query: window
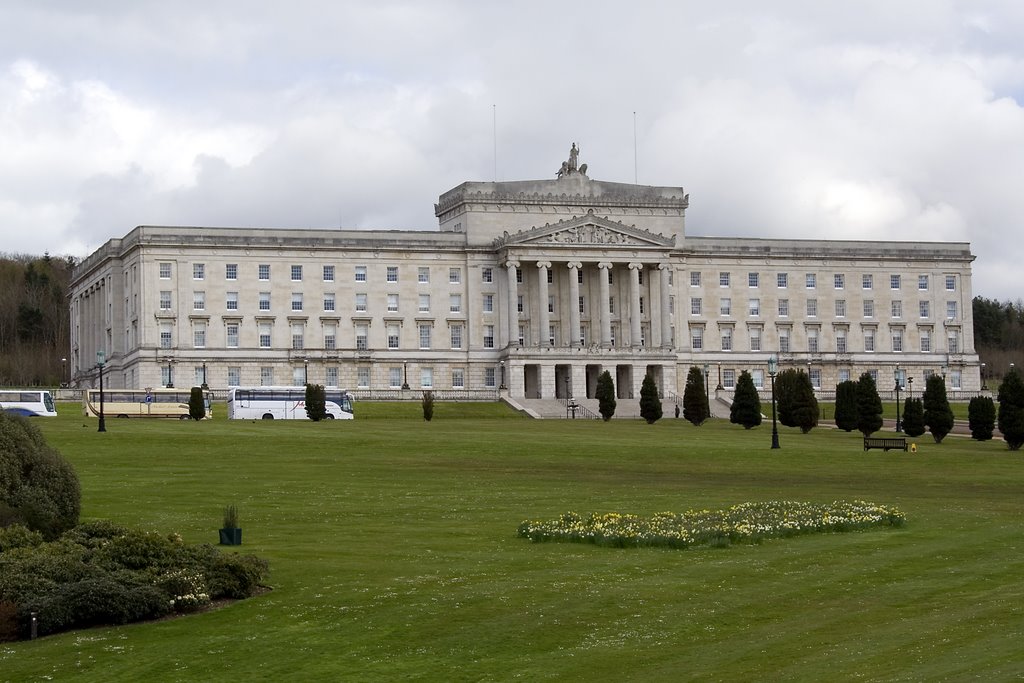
x: 812, y: 339
x: 458, y: 378
x: 782, y: 280
x: 844, y: 374
x: 519, y: 303
x: 392, y: 303
x: 869, y: 339
x: 489, y: 303
x: 423, y: 274
x: 697, y: 338
x: 522, y: 334
x: 360, y: 274
x: 424, y: 303
x: 199, y: 301
x: 815, y: 378
x: 166, y: 336
x: 950, y: 310
x: 424, y: 336
x: 363, y: 377
x: 897, y: 309
x: 298, y: 336
x: 724, y: 306
x: 757, y: 376
x: 812, y: 308
x: 755, y: 338
x: 611, y: 304
x: 869, y: 308
x: 839, y: 281
x: 361, y: 302
x: 231, y: 332
x: 456, y: 336
x: 328, y: 273
x: 954, y: 342
x: 264, y: 271
x: 950, y: 283
x: 551, y: 304
x: 783, y: 308
x: 487, y: 274
x: 299, y: 375
x: 165, y: 270
x: 551, y: 276
x: 392, y: 273
x: 726, y: 334
x: 198, y: 271
x: 296, y: 273
x: 926, y: 340
x: 723, y: 279
x: 234, y: 376
x: 729, y: 379
x: 231, y: 271
x: 579, y: 276
x: 331, y: 376
x: 867, y: 281
x: 265, y: 334
x: 489, y: 378
x: 922, y: 283
x: 165, y: 300
x: 266, y: 376
x: 923, y: 309
x: 296, y: 301
x: 264, y: 301
x: 582, y: 305
x: 393, y: 332
x: 328, y: 301
x: 551, y: 335
x: 810, y: 280
x: 840, y: 308
x: 894, y: 282
x: 454, y: 276
x: 753, y: 279
x: 362, y: 336
x: 611, y: 277
x: 784, y: 334
x: 694, y: 278
x: 330, y: 336
x: 955, y: 379
x: 231, y: 301
x: 427, y: 378
x: 897, y: 340
x: 395, y: 377
x: 695, y: 305
x: 841, y: 341
x: 754, y: 307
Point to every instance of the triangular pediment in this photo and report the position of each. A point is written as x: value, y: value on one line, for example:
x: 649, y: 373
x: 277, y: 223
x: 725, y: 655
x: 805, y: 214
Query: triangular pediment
x: 588, y: 230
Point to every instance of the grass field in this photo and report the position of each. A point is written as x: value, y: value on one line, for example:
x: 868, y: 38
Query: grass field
x: 393, y: 553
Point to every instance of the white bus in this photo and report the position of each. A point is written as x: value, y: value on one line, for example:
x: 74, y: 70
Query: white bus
x: 284, y: 403
x: 27, y: 402
x: 142, y: 403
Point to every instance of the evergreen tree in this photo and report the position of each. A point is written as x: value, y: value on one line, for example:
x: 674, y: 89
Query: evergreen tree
x: 869, y: 406
x: 650, y: 404
x: 605, y: 394
x: 805, y: 405
x: 787, y: 386
x: 1011, y: 409
x: 196, y: 404
x: 846, y: 405
x: 981, y: 416
x: 938, y: 416
x: 746, y: 405
x: 913, y: 417
x: 428, y: 405
x: 695, y: 398
x: 316, y: 402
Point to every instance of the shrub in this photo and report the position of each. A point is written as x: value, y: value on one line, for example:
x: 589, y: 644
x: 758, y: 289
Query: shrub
x: 695, y: 398
x: 981, y: 416
x: 913, y: 417
x: 746, y: 405
x: 605, y: 394
x: 428, y: 405
x: 196, y: 403
x: 37, y: 486
x: 235, y: 576
x: 938, y: 416
x: 1011, y: 409
x: 787, y: 386
x: 316, y: 402
x: 18, y: 536
x: 650, y: 404
x: 869, y: 406
x: 846, y: 406
x: 805, y: 405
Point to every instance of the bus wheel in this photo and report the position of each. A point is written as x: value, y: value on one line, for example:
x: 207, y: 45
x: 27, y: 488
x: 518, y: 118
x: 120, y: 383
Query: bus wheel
x: 183, y: 417
x: 329, y: 416
x: 123, y: 417
x: 268, y: 416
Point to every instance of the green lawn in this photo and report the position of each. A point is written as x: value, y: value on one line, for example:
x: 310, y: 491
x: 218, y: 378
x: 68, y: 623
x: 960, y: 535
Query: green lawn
x: 393, y: 553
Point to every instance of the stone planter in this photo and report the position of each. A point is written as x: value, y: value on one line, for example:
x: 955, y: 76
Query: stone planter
x: 231, y: 537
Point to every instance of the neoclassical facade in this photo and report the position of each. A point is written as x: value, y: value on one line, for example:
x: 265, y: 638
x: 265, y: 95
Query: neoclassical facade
x: 534, y: 287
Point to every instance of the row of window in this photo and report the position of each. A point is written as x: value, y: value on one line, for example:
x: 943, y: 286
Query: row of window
x: 296, y: 272
x: 811, y: 308
x: 897, y: 338
x: 396, y: 376
x: 811, y: 280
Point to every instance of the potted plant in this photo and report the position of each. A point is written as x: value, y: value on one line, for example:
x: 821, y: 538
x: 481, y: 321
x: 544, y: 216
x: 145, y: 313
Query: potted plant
x: 231, y: 533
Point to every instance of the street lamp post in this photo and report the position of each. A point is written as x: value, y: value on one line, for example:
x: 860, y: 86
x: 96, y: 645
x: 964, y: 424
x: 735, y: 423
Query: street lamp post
x: 567, y: 401
x: 707, y: 387
x: 101, y: 360
x: 773, y: 367
x: 984, y: 383
x: 305, y: 371
x: 899, y: 379
x: 910, y: 387
x: 719, y: 387
x: 170, y: 376
x: 205, y: 385
x: 63, y: 371
x: 405, y: 376
x: 501, y: 364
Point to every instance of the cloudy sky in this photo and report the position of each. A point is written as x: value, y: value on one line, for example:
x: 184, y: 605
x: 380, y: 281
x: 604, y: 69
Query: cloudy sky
x: 865, y: 120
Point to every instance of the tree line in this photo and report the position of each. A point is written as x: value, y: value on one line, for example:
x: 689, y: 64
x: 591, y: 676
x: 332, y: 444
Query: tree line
x: 998, y: 334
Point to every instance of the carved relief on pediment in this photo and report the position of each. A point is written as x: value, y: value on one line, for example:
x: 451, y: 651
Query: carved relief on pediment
x: 588, y: 234
x: 586, y: 230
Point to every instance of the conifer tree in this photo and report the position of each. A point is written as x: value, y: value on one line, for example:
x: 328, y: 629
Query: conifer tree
x: 650, y: 404
x: 746, y: 405
x: 938, y: 416
x: 605, y: 394
x: 196, y: 404
x: 787, y: 386
x: 869, y: 406
x: 846, y: 405
x: 1011, y: 409
x: 695, y: 398
x: 805, y: 405
x: 913, y: 417
x: 981, y: 416
x: 316, y: 402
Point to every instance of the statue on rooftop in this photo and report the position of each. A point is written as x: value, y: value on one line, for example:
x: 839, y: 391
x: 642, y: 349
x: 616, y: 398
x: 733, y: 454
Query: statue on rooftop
x: 571, y: 166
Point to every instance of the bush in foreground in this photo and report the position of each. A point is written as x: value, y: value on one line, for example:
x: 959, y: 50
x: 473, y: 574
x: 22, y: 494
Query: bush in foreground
x: 746, y: 405
x: 650, y: 404
x: 605, y: 394
x: 695, y: 399
x: 981, y: 417
x: 938, y: 416
x: 1011, y: 409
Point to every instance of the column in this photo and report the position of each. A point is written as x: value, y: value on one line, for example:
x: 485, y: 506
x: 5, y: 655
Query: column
x: 513, y: 303
x: 574, y: 303
x: 634, y: 304
x: 603, y: 269
x: 542, y: 293
x: 666, y: 315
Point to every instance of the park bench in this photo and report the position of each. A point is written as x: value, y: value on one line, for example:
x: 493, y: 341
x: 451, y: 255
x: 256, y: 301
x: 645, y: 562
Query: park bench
x: 885, y: 443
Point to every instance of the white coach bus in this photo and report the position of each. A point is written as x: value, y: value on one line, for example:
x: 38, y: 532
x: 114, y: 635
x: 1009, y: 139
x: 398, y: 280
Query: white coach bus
x: 27, y: 402
x: 284, y: 403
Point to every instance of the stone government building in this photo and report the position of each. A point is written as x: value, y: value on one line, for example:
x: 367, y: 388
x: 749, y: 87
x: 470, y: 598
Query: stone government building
x: 535, y: 285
